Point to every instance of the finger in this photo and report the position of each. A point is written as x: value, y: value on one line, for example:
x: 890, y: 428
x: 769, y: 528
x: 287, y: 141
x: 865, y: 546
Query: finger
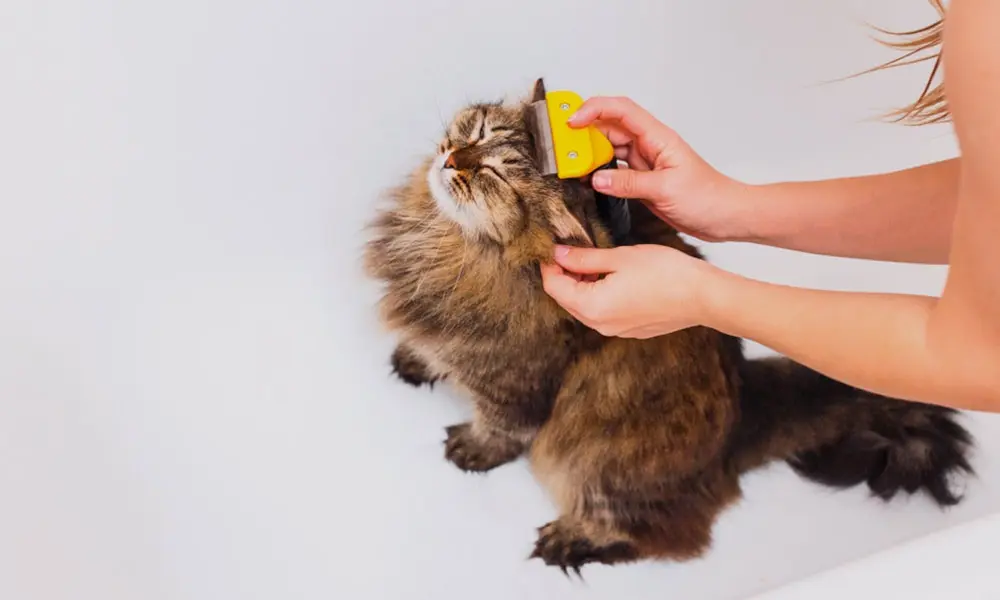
x: 629, y: 183
x: 631, y: 158
x: 631, y: 119
x: 562, y: 287
x: 593, y: 261
x: 616, y: 134
x: 641, y: 333
x: 625, y: 144
x: 574, y: 297
x: 653, y: 137
x: 635, y: 160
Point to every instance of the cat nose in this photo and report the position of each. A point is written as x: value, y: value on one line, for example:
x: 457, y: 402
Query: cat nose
x: 449, y: 163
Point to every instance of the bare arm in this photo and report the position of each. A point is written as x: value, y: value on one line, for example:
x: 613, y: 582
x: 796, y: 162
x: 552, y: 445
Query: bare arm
x: 946, y: 350
x: 938, y: 350
x: 879, y: 342
x: 903, y: 216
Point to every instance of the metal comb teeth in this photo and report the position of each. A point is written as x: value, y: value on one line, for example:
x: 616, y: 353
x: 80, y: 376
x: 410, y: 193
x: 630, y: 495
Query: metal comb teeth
x: 538, y: 120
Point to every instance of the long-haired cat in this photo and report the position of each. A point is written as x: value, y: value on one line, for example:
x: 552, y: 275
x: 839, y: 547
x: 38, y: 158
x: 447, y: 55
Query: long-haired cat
x: 640, y: 443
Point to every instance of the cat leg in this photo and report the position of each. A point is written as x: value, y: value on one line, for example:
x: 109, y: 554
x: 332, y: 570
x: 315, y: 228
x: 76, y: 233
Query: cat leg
x: 570, y: 543
x: 620, y: 530
x: 626, y: 521
x: 494, y: 437
x: 411, y: 368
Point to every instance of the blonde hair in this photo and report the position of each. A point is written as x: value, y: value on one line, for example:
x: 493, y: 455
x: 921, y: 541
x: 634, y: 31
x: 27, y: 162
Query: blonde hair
x: 920, y: 45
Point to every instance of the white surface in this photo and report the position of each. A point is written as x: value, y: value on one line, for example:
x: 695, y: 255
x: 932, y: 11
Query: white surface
x: 959, y: 562
x: 194, y: 398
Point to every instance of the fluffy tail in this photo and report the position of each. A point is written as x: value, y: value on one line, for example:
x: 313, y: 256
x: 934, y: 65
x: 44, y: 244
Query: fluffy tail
x: 840, y: 436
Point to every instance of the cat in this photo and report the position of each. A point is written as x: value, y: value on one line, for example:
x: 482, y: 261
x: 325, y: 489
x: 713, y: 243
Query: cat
x: 640, y: 443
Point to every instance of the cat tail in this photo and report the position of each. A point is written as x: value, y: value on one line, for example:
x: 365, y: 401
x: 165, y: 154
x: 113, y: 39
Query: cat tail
x: 840, y: 436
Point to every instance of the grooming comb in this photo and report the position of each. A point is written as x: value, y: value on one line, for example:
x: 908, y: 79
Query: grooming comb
x: 561, y: 150
x: 575, y: 153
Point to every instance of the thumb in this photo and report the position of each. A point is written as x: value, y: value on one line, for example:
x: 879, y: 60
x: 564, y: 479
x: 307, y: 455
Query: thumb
x: 563, y: 288
x: 587, y: 260
x: 629, y: 183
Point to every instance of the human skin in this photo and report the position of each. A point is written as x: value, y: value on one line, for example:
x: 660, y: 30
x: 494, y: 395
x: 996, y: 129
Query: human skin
x: 942, y: 350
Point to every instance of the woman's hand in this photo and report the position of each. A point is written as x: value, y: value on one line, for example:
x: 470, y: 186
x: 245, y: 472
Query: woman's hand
x: 664, y: 172
x: 647, y: 291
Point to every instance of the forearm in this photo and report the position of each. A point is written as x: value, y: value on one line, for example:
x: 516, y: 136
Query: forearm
x: 903, y: 216
x: 944, y: 351
x: 877, y: 342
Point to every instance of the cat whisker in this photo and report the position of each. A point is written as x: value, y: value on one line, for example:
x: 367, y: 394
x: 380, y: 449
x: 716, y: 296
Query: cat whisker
x: 444, y: 124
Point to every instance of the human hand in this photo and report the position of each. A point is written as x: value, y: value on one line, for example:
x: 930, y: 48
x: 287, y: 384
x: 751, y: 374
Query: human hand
x: 664, y: 172
x: 648, y: 290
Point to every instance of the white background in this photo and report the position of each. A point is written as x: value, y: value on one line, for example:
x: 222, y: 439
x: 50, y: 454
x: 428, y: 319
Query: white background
x: 194, y: 395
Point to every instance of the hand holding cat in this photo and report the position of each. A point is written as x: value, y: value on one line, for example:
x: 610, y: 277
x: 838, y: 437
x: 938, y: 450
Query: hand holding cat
x: 664, y: 172
x: 648, y: 290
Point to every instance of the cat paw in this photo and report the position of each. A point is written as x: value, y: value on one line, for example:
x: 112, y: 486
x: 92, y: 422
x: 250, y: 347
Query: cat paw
x: 469, y: 453
x: 568, y: 547
x: 411, y: 369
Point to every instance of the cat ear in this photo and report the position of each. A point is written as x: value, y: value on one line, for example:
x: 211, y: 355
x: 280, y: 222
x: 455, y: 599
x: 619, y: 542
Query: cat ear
x: 569, y: 227
x: 538, y: 90
x: 517, y: 98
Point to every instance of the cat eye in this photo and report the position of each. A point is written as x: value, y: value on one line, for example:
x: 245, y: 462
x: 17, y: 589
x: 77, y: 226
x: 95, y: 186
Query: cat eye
x: 482, y: 131
x: 480, y: 134
x: 492, y: 171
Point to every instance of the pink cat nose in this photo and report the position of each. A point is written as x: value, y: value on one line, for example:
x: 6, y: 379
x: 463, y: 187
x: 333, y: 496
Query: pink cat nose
x: 449, y: 163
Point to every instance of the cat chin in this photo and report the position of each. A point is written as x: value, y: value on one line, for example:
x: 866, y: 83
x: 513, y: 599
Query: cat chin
x: 468, y: 216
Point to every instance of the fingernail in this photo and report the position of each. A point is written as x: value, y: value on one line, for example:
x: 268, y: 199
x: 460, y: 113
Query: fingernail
x: 572, y: 118
x: 602, y: 180
x: 561, y: 251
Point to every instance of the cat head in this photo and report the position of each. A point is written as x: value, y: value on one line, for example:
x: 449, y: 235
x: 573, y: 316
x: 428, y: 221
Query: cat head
x: 484, y: 178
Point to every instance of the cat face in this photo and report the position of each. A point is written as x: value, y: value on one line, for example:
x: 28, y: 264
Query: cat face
x: 485, y: 179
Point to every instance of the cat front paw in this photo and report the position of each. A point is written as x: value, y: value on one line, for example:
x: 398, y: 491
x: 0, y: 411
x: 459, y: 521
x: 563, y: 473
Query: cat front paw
x: 561, y: 544
x: 473, y: 454
x: 411, y: 369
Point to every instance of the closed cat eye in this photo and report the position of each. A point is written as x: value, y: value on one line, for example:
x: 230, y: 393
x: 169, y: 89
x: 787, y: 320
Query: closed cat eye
x: 482, y: 132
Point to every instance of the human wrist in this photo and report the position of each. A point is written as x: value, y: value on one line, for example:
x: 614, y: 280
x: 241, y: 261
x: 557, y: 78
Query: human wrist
x: 717, y: 291
x: 714, y: 286
x: 734, y: 206
x: 745, y: 220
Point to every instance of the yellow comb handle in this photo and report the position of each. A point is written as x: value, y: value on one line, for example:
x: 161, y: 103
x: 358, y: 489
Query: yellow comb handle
x: 603, y: 150
x: 578, y: 151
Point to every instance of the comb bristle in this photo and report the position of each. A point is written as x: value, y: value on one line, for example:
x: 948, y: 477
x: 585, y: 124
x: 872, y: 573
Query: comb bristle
x: 538, y: 121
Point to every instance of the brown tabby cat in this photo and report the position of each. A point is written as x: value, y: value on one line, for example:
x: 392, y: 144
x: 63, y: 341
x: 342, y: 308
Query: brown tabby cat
x: 641, y: 443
